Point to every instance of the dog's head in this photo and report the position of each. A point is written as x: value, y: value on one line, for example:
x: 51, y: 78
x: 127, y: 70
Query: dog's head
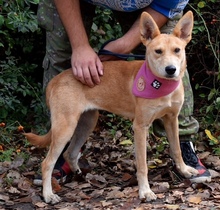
x: 165, y: 53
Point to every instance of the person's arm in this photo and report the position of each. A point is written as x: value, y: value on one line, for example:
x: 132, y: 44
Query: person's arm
x: 131, y: 39
x: 86, y: 65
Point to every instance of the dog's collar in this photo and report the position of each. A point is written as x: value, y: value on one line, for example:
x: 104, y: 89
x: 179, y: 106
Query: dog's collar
x: 147, y: 85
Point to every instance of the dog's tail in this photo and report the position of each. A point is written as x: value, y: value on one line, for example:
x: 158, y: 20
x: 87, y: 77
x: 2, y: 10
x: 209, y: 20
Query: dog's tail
x: 40, y: 141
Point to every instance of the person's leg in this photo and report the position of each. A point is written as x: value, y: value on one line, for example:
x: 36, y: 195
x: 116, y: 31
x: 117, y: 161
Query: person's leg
x: 58, y: 55
x: 188, y: 125
x: 58, y: 49
x: 188, y: 128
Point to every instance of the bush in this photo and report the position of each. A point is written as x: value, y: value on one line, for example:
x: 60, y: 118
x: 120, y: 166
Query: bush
x: 204, y: 61
x: 20, y: 50
x: 104, y: 28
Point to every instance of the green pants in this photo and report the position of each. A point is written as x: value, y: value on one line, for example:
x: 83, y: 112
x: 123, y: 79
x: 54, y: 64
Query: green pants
x: 58, y: 55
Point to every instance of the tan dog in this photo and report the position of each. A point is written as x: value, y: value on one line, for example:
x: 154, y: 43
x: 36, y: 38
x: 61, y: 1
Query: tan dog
x: 74, y: 105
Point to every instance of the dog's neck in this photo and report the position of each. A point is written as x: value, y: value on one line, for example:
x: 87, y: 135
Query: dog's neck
x: 147, y: 85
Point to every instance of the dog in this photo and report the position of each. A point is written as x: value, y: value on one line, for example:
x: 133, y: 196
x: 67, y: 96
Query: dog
x: 122, y: 91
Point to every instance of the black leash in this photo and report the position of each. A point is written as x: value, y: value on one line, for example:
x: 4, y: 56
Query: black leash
x: 118, y: 55
x: 121, y: 56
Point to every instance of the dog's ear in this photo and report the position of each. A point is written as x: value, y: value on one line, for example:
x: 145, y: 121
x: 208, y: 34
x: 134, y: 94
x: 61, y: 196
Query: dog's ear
x: 148, y: 28
x: 184, y: 27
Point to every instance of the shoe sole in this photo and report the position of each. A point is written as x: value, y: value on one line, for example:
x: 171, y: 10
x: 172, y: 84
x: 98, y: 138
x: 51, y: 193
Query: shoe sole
x: 200, y: 179
x: 39, y: 182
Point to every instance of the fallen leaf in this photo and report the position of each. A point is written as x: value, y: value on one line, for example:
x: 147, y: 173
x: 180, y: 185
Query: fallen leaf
x: 17, y: 162
x: 97, y: 193
x: 214, y: 174
x: 13, y: 190
x: 205, y: 194
x: 216, y: 197
x: 13, y: 174
x: 126, y: 177
x: 160, y: 187
x: 96, y: 180
x: 194, y: 199
x: 84, y: 196
x: 140, y: 208
x: 160, y: 195
x: 41, y: 204
x: 26, y: 199
x: 115, y: 194
x: 118, y: 134
x: 24, y: 185
x: 55, y: 185
x: 211, y: 137
x: 84, y: 186
x: 170, y: 199
x: 106, y: 203
x: 203, y: 155
x: 4, y: 197
x: 168, y: 206
x: 212, y: 160
x: 126, y: 142
x: 213, y: 186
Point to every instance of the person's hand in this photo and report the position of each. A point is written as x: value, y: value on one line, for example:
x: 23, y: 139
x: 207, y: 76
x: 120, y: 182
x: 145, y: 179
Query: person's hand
x: 86, y: 66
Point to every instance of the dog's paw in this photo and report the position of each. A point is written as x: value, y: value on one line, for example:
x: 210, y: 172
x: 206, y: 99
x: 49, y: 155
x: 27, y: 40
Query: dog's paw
x: 188, y: 171
x: 147, y: 195
x: 52, y: 198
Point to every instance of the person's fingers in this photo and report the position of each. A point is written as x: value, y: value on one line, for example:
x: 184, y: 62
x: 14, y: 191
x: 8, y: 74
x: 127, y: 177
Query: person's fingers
x: 87, y: 69
x: 99, y: 67
x: 90, y: 76
x: 94, y: 72
x: 78, y: 74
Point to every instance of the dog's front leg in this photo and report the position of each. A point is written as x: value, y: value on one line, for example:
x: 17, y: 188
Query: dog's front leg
x: 140, y: 135
x: 172, y: 129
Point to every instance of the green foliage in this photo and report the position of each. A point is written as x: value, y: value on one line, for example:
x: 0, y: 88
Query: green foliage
x: 104, y: 28
x: 17, y: 15
x: 20, y: 90
x: 116, y: 123
x: 13, y: 87
x: 205, y: 55
x: 22, y: 50
x: 6, y: 155
x: 204, y: 49
x: 216, y: 150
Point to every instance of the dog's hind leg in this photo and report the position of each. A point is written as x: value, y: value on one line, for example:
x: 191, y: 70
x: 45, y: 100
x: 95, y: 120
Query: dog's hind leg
x: 172, y: 130
x: 59, y: 138
x: 85, y: 126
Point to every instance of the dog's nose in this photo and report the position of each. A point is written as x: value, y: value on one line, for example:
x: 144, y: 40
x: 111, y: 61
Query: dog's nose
x: 170, y: 70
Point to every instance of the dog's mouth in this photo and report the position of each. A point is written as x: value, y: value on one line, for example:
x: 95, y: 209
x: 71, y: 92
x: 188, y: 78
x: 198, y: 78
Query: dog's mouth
x: 170, y: 76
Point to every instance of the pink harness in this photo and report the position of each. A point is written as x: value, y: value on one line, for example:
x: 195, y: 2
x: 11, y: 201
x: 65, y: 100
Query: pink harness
x: 147, y: 85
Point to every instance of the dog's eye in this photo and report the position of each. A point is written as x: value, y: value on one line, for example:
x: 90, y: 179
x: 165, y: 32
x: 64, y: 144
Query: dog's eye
x: 177, y: 50
x: 158, y: 51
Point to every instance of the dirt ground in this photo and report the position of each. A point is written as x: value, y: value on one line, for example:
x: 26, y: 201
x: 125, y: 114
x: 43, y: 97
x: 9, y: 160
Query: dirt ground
x: 109, y: 180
